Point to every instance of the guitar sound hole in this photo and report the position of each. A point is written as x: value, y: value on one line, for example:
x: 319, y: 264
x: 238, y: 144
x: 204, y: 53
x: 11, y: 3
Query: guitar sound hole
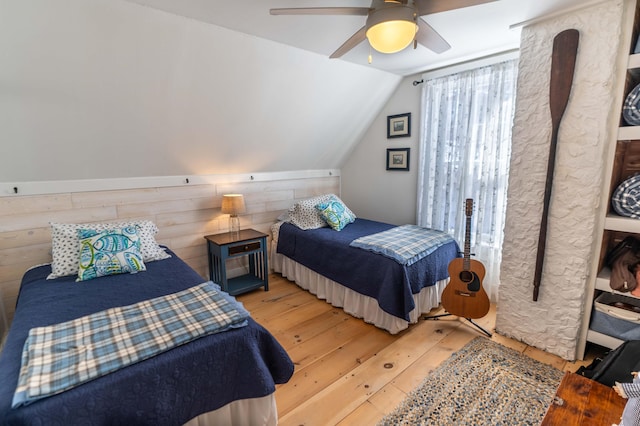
x: 466, y: 276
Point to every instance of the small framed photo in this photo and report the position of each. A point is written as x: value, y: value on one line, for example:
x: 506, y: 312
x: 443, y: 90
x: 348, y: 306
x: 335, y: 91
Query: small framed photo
x: 399, y: 126
x: 398, y: 159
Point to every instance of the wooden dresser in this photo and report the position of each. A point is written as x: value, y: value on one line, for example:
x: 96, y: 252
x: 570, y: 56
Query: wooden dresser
x: 582, y: 401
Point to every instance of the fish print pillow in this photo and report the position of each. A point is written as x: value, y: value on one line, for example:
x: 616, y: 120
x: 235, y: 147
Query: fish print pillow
x: 109, y: 252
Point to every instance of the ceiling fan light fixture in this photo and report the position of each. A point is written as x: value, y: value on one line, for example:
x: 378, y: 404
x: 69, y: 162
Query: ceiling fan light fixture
x: 391, y: 29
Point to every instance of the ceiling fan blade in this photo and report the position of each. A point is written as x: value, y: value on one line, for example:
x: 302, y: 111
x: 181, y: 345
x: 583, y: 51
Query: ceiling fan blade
x: 429, y: 38
x: 425, y: 7
x: 352, y: 42
x: 362, y: 11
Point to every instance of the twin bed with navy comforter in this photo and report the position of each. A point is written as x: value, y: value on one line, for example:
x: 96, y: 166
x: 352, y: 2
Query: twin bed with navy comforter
x: 387, y: 275
x: 174, y: 351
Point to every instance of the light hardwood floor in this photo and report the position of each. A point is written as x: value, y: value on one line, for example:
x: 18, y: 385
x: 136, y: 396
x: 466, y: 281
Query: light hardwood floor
x: 348, y: 372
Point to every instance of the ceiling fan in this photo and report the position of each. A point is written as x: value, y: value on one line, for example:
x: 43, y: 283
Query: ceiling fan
x: 391, y: 24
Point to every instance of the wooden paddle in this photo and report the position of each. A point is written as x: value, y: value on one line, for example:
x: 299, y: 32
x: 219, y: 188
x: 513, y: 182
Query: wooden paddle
x: 563, y: 61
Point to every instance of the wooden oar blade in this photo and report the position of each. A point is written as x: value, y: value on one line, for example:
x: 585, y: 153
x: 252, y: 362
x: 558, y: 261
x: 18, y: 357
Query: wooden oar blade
x: 563, y: 63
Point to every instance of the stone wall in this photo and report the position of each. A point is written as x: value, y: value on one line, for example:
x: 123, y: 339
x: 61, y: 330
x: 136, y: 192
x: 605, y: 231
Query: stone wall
x: 553, y: 322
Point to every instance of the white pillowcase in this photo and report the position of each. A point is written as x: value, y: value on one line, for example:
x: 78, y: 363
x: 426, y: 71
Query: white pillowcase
x: 304, y: 214
x: 66, y: 245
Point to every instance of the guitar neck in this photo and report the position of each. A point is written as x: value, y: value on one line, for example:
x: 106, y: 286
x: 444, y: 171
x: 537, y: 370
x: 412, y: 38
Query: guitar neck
x: 466, y: 263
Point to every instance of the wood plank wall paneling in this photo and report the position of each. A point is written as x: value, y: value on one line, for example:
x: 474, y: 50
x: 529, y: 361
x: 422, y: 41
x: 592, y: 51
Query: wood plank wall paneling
x: 183, y: 214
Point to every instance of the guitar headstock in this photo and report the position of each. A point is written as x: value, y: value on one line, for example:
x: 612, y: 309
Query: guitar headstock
x: 468, y: 208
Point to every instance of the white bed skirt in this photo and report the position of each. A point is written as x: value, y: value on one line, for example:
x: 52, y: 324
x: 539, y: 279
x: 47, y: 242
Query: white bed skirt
x: 352, y: 302
x: 254, y: 411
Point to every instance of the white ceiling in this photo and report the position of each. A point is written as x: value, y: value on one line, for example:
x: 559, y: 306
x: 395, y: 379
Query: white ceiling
x: 473, y: 32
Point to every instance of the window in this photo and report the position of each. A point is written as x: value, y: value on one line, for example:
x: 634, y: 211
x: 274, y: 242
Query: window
x: 465, y: 149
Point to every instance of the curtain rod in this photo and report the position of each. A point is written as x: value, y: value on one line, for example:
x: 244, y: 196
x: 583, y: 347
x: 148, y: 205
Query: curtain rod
x: 465, y: 65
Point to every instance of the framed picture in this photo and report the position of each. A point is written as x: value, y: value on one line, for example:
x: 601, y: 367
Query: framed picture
x: 398, y: 159
x: 399, y: 126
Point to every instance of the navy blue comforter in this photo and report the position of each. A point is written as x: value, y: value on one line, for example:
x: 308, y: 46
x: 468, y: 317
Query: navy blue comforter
x: 168, y: 389
x: 328, y: 253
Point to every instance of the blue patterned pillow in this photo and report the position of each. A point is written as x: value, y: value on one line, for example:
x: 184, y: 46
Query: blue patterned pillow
x: 109, y: 252
x: 626, y: 198
x: 631, y: 107
x: 336, y: 213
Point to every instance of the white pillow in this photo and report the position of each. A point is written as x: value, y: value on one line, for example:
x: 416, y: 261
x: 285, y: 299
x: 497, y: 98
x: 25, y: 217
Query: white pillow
x: 304, y: 214
x: 66, y: 246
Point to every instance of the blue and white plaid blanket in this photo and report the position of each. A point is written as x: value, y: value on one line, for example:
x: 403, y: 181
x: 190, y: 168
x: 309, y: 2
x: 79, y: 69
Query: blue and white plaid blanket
x: 58, y: 357
x: 405, y: 244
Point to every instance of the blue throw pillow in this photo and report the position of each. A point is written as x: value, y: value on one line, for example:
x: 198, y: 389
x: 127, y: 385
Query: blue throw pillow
x: 109, y: 252
x: 335, y: 213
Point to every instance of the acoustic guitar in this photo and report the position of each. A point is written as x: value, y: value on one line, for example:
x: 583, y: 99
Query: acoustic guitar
x: 464, y: 296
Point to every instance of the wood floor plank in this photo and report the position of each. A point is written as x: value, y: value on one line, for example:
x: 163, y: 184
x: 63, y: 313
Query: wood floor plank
x: 293, y: 318
x: 545, y: 357
x: 365, y: 414
x: 510, y: 343
x: 277, y: 307
x: 340, y: 375
x: 258, y: 299
x: 413, y: 376
x: 307, y: 351
x: 314, y: 378
x: 361, y: 382
x: 384, y: 401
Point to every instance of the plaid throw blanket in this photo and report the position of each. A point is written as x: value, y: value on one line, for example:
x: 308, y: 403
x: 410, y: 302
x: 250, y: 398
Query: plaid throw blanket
x: 58, y: 357
x: 405, y: 244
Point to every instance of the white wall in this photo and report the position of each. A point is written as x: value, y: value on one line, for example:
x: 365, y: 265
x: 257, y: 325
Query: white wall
x: 368, y: 188
x: 553, y: 322
x: 108, y: 88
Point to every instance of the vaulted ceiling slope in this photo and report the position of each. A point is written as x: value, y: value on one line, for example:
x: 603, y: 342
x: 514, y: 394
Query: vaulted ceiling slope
x: 107, y: 88
x: 473, y: 32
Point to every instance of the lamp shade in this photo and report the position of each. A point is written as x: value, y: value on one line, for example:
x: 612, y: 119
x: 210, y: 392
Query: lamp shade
x: 233, y: 204
x: 389, y: 30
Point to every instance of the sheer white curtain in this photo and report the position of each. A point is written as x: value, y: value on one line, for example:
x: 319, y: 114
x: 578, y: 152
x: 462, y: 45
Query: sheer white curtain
x: 465, y: 146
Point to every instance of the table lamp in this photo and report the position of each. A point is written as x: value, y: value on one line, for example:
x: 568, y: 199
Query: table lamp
x: 233, y: 204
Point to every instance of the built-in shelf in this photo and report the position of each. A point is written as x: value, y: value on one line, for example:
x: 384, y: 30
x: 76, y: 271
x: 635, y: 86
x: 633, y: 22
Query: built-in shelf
x: 634, y: 61
x: 622, y: 154
x: 602, y: 283
x: 602, y: 280
x: 613, y: 222
x: 626, y: 133
x: 603, y: 339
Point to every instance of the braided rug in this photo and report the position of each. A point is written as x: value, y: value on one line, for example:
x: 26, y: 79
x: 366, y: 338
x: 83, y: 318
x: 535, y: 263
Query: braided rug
x: 484, y: 383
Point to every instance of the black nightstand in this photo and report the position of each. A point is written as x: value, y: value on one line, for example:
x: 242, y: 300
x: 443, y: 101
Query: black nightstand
x: 248, y: 242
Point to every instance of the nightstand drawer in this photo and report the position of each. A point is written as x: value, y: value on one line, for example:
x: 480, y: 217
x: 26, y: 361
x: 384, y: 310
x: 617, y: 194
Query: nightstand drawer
x: 244, y: 248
